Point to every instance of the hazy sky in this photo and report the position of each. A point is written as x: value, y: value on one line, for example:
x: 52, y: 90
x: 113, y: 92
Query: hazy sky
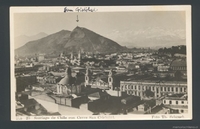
x: 106, y: 24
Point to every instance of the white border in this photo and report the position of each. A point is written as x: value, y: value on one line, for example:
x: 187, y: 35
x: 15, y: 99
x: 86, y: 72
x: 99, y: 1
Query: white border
x: 60, y: 9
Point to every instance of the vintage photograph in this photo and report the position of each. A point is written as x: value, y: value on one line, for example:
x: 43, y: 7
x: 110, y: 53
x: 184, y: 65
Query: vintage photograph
x: 101, y: 63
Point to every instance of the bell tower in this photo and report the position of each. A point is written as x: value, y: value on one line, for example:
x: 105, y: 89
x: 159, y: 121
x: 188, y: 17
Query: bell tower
x: 72, y: 56
x: 79, y: 55
x: 68, y: 72
x: 87, y: 77
x: 110, y: 79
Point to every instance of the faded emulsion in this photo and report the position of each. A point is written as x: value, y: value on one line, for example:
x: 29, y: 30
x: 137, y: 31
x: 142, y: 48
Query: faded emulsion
x: 101, y: 66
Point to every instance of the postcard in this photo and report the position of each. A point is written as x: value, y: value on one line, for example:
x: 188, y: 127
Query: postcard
x: 83, y: 63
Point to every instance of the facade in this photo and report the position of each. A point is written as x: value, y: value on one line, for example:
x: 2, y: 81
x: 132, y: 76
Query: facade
x: 163, y: 68
x: 109, y: 84
x: 178, y: 103
x: 40, y: 57
x: 159, y: 89
x: 74, y: 60
x: 67, y: 85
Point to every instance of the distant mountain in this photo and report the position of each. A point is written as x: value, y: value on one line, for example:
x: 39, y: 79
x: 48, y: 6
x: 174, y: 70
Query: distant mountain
x: 23, y: 39
x: 150, y: 37
x: 70, y: 41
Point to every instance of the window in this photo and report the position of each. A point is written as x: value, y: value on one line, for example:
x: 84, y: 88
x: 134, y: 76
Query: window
x: 110, y: 79
x: 168, y: 88
x: 184, y: 89
x: 164, y: 88
x: 132, y: 87
x: 176, y: 102
x: 182, y: 111
x: 152, y: 88
x: 182, y: 102
x: 176, y: 89
x: 138, y: 87
x: 161, y: 88
x: 164, y: 101
x: 172, y: 89
x: 181, y: 89
x: 170, y: 102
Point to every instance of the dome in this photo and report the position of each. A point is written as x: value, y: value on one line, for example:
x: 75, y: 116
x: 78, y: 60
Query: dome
x: 178, y: 62
x: 67, y: 79
x: 88, y: 71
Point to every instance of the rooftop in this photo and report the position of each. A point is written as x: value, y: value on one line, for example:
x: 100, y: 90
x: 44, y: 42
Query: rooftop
x: 178, y: 62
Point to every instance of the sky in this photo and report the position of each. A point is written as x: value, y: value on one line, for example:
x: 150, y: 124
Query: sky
x: 109, y: 24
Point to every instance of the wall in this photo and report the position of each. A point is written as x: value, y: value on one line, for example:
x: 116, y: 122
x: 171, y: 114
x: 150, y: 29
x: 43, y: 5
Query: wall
x: 66, y: 110
x: 50, y: 106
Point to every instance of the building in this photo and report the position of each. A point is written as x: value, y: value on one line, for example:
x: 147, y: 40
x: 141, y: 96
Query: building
x: 68, y: 85
x: 164, y: 74
x: 177, y: 103
x: 24, y: 81
x: 159, y: 89
x: 178, y: 65
x: 110, y: 83
x: 146, y: 106
x: 41, y: 57
x: 162, y: 68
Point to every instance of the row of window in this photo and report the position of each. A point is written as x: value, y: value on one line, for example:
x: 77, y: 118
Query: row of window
x: 179, y: 68
x: 135, y: 93
x: 142, y: 93
x: 152, y: 88
x: 177, y: 102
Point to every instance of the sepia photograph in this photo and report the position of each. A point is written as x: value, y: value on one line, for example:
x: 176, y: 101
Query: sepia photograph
x: 101, y: 63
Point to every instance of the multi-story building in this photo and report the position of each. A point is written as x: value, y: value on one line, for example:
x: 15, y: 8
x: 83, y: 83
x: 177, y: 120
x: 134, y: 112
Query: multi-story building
x: 109, y: 83
x: 162, y: 68
x: 40, y: 57
x: 138, y: 88
x: 179, y: 65
x: 68, y: 85
x: 178, y: 103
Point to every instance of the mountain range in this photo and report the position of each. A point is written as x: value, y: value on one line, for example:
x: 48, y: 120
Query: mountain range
x: 153, y: 37
x: 69, y: 41
x: 23, y: 39
x: 86, y: 40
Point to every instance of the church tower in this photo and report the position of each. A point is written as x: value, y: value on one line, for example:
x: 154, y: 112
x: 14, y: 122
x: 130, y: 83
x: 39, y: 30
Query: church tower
x: 87, y: 76
x: 110, y: 79
x: 79, y: 55
x: 72, y: 56
x: 67, y: 80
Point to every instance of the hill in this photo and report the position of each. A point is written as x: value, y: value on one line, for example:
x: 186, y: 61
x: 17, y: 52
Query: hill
x: 23, y: 39
x: 70, y: 41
